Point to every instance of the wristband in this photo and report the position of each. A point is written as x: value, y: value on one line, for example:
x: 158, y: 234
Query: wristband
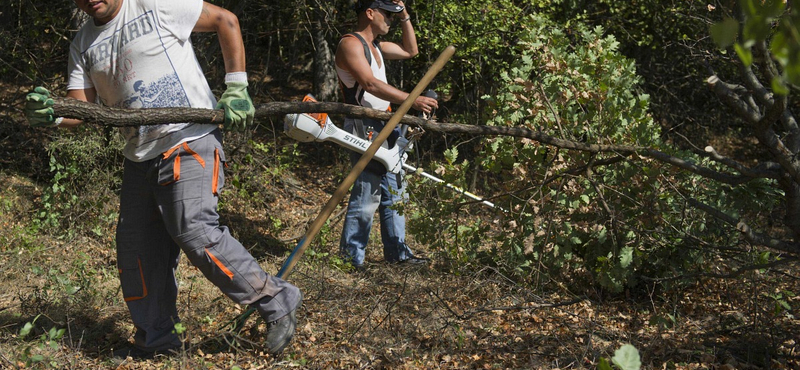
x: 236, y: 77
x: 58, y: 121
x: 406, y: 19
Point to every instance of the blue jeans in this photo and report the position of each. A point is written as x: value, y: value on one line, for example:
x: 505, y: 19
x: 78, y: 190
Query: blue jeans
x: 372, y: 191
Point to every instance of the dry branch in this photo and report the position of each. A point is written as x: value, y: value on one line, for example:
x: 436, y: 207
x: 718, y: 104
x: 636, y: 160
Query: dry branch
x: 94, y: 113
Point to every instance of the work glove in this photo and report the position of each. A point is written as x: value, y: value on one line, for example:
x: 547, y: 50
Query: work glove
x: 39, y: 108
x: 239, y: 109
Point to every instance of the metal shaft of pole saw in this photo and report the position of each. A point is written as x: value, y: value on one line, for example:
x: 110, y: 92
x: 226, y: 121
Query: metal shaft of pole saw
x: 344, y: 187
x: 413, y: 170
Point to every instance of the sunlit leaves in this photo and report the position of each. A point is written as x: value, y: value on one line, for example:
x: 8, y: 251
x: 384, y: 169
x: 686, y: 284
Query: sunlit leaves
x: 626, y: 257
x: 627, y: 358
x: 725, y: 32
x: 744, y: 54
x: 771, y: 22
x: 779, y: 86
x: 483, y: 32
x: 451, y: 155
x: 572, y: 84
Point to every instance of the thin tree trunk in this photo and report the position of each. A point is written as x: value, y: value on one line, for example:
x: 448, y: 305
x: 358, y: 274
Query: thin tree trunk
x: 325, y: 79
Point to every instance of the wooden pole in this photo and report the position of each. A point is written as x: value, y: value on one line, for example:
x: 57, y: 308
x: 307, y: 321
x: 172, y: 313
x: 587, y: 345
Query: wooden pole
x: 344, y: 187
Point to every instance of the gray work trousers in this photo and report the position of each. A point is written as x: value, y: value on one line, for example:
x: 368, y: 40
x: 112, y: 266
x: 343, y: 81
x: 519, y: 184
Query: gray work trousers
x: 169, y: 204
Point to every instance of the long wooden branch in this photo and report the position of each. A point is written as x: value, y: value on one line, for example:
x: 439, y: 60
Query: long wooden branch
x: 121, y: 117
x: 93, y: 113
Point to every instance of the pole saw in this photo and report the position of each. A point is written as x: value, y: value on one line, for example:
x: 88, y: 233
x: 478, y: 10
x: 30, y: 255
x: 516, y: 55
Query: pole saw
x: 308, y: 127
x: 348, y: 181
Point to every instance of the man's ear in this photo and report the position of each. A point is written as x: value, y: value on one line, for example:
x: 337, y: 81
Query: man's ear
x: 370, y: 13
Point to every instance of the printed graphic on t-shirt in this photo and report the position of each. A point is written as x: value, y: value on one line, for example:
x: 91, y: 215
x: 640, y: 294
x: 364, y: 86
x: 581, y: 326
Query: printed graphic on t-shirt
x: 111, y: 60
x: 166, y: 92
x: 102, y: 51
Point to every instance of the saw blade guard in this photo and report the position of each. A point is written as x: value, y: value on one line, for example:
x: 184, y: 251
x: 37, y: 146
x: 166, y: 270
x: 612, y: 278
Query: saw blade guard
x: 302, y: 127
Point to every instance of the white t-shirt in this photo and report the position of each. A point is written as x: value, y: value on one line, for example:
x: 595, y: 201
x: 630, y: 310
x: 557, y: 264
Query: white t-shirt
x: 143, y: 58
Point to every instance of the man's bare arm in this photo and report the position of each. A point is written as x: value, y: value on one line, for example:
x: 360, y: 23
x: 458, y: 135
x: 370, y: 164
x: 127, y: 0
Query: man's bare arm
x: 226, y: 25
x: 350, y: 57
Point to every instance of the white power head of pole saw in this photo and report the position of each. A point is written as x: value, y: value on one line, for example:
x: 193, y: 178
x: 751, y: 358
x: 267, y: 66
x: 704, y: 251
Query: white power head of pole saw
x: 307, y: 127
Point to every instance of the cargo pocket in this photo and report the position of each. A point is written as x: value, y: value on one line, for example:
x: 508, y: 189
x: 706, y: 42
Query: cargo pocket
x: 131, y: 278
x: 218, y: 176
x: 169, y: 170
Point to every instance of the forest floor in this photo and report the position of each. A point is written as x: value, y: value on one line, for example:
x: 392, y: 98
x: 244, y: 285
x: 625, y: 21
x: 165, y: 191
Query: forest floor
x: 444, y: 316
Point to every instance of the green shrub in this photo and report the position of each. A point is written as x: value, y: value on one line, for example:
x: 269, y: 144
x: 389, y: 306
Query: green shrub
x: 612, y: 222
x: 82, y: 197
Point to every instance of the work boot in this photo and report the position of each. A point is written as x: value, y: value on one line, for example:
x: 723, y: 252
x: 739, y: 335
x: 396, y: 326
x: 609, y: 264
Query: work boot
x: 281, y: 331
x: 358, y: 269
x: 414, y: 261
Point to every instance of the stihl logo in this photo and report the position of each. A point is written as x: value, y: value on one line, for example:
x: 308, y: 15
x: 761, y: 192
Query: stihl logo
x: 357, y: 141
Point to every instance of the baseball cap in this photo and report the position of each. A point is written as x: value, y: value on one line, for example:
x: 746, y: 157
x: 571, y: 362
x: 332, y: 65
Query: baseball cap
x: 387, y: 5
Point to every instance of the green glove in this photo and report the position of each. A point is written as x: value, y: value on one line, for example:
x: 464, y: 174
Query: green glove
x: 39, y: 108
x: 239, y: 109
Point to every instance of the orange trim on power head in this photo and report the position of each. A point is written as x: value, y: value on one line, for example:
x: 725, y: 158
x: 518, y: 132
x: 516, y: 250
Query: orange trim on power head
x: 321, y: 118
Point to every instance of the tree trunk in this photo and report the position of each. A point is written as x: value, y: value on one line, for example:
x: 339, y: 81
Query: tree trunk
x: 325, y: 80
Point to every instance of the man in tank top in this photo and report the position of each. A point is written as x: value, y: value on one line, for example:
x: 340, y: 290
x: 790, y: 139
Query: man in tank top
x: 362, y: 77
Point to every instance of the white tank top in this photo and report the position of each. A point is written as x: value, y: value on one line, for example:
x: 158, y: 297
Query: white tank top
x: 355, y: 94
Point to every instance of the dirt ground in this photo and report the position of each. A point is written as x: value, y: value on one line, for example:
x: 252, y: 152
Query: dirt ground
x: 63, y: 290
x: 389, y: 317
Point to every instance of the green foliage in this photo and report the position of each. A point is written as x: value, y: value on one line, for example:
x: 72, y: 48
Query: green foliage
x: 438, y: 225
x: 627, y: 358
x: 81, y: 197
x: 781, y: 301
x: 481, y: 30
x: 179, y: 328
x: 32, y: 38
x: 771, y: 21
x: 574, y: 86
x: 259, y: 167
x: 616, y: 221
x: 38, y: 351
x: 314, y: 256
x: 73, y: 284
x: 582, y: 91
x: 636, y: 23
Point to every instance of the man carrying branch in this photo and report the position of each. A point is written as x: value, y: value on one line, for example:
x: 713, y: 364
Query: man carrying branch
x: 362, y: 76
x: 138, y: 53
